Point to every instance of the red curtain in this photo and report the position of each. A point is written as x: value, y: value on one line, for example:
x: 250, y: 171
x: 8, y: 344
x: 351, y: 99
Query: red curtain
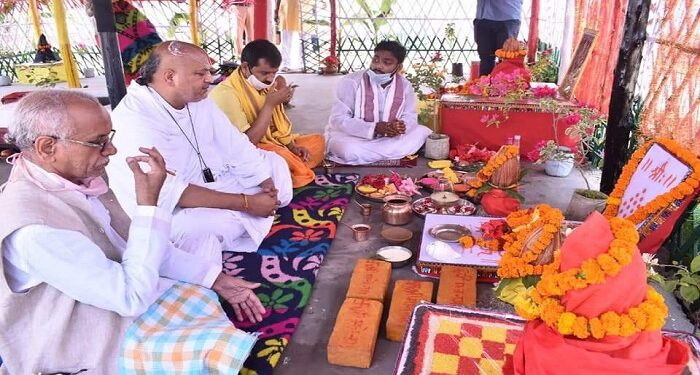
x: 608, y: 18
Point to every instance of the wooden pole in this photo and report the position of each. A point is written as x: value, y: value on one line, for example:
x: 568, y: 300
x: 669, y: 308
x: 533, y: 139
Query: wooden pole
x: 36, y: 20
x: 620, y: 119
x: 533, y: 33
x: 194, y: 21
x: 111, y: 55
x: 261, y: 19
x: 334, y: 27
x: 59, y: 15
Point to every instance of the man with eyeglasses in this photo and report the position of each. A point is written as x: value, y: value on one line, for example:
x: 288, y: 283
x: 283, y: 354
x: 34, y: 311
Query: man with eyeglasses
x: 71, y: 283
x: 224, y: 190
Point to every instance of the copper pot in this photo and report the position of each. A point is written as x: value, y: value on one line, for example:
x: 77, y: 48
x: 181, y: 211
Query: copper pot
x: 397, y: 209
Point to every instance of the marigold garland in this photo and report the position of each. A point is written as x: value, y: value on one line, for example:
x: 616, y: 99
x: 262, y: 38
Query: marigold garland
x: 649, y: 315
x: 503, y: 54
x: 516, y: 263
x: 469, y: 241
x: 685, y: 188
x: 594, y: 270
x: 506, y: 153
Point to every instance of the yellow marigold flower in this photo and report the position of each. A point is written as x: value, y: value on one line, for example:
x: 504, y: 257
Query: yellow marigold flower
x: 565, y: 325
x: 580, y: 327
x: 466, y: 241
x: 611, y: 322
x: 627, y: 327
x: 597, y: 329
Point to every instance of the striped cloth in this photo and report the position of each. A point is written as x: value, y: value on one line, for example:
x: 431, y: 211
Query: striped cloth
x: 367, y: 102
x: 185, y: 332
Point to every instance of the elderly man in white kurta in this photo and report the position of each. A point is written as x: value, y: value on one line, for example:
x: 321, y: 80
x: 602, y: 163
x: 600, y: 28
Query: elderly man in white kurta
x: 71, y: 283
x: 223, y: 187
x: 374, y: 114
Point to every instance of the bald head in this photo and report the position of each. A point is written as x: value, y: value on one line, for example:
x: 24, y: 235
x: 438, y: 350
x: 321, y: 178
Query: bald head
x: 179, y: 72
x: 169, y: 55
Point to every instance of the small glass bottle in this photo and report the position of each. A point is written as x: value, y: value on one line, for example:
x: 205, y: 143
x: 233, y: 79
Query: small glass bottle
x: 516, y: 142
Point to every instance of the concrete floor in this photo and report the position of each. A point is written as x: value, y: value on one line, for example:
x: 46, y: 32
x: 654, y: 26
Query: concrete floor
x: 306, y: 354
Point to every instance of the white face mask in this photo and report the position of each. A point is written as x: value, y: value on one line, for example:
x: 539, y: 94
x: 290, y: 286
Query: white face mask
x: 259, y: 85
x: 380, y: 79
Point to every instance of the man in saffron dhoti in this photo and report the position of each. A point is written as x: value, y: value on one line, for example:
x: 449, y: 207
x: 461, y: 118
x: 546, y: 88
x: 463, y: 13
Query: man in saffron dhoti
x: 374, y: 114
x: 253, y: 99
x: 225, y: 190
x: 77, y: 295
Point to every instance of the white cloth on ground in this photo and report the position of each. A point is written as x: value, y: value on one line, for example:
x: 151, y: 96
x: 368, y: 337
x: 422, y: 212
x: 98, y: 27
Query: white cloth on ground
x: 350, y: 139
x: 141, y: 120
x: 72, y: 263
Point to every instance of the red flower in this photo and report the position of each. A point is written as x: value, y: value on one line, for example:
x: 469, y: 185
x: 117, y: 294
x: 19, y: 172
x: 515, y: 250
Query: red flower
x: 309, y: 235
x: 572, y: 119
x: 494, y: 229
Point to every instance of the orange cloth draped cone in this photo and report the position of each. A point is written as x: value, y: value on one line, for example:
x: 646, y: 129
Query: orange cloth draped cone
x: 544, y: 351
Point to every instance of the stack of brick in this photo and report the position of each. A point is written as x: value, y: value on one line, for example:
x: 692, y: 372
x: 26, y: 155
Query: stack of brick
x: 357, y: 325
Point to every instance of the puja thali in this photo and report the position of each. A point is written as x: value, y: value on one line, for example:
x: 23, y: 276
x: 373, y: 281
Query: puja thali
x: 431, y: 180
x: 375, y: 187
x: 424, y: 206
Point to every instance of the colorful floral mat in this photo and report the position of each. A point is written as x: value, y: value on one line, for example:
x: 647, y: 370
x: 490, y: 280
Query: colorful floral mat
x: 287, y: 262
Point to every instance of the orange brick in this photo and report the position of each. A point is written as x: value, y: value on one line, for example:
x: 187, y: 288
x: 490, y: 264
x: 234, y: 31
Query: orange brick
x: 370, y: 280
x: 355, y: 333
x: 407, y: 294
x: 457, y: 286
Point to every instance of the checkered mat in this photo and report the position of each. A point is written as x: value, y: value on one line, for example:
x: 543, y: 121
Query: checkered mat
x: 443, y: 340
x: 287, y: 262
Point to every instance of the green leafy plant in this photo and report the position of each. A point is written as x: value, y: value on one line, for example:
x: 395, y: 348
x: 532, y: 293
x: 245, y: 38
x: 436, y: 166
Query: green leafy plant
x: 450, y: 33
x: 175, y: 22
x: 552, y: 151
x: 427, y: 78
x: 545, y: 69
x: 685, y: 281
x: 374, y: 19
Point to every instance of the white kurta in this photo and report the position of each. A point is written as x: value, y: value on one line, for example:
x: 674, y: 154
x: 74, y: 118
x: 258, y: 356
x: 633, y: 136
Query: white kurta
x: 72, y: 263
x: 141, y: 120
x: 350, y: 139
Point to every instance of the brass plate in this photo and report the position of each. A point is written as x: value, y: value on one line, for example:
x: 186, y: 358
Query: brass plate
x: 449, y: 232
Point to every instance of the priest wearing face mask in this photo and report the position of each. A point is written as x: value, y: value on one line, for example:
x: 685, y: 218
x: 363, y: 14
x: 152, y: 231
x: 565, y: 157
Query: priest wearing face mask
x: 253, y: 99
x: 374, y: 114
x: 224, y: 191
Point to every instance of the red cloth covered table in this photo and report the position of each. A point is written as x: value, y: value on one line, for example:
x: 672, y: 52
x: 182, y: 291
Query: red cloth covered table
x: 460, y: 118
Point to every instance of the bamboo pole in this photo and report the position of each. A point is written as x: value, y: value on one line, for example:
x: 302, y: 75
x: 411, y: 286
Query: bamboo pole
x: 59, y: 15
x: 533, y: 33
x: 620, y: 118
x: 194, y: 21
x: 36, y: 21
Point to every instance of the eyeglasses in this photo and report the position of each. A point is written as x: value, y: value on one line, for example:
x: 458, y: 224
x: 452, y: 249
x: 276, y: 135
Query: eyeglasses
x: 101, y: 145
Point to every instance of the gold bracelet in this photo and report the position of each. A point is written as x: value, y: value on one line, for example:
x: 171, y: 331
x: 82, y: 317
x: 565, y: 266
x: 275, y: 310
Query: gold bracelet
x: 245, y: 202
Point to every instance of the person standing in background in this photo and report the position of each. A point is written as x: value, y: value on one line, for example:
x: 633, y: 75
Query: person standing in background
x: 287, y: 16
x: 496, y: 21
x: 244, y: 21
